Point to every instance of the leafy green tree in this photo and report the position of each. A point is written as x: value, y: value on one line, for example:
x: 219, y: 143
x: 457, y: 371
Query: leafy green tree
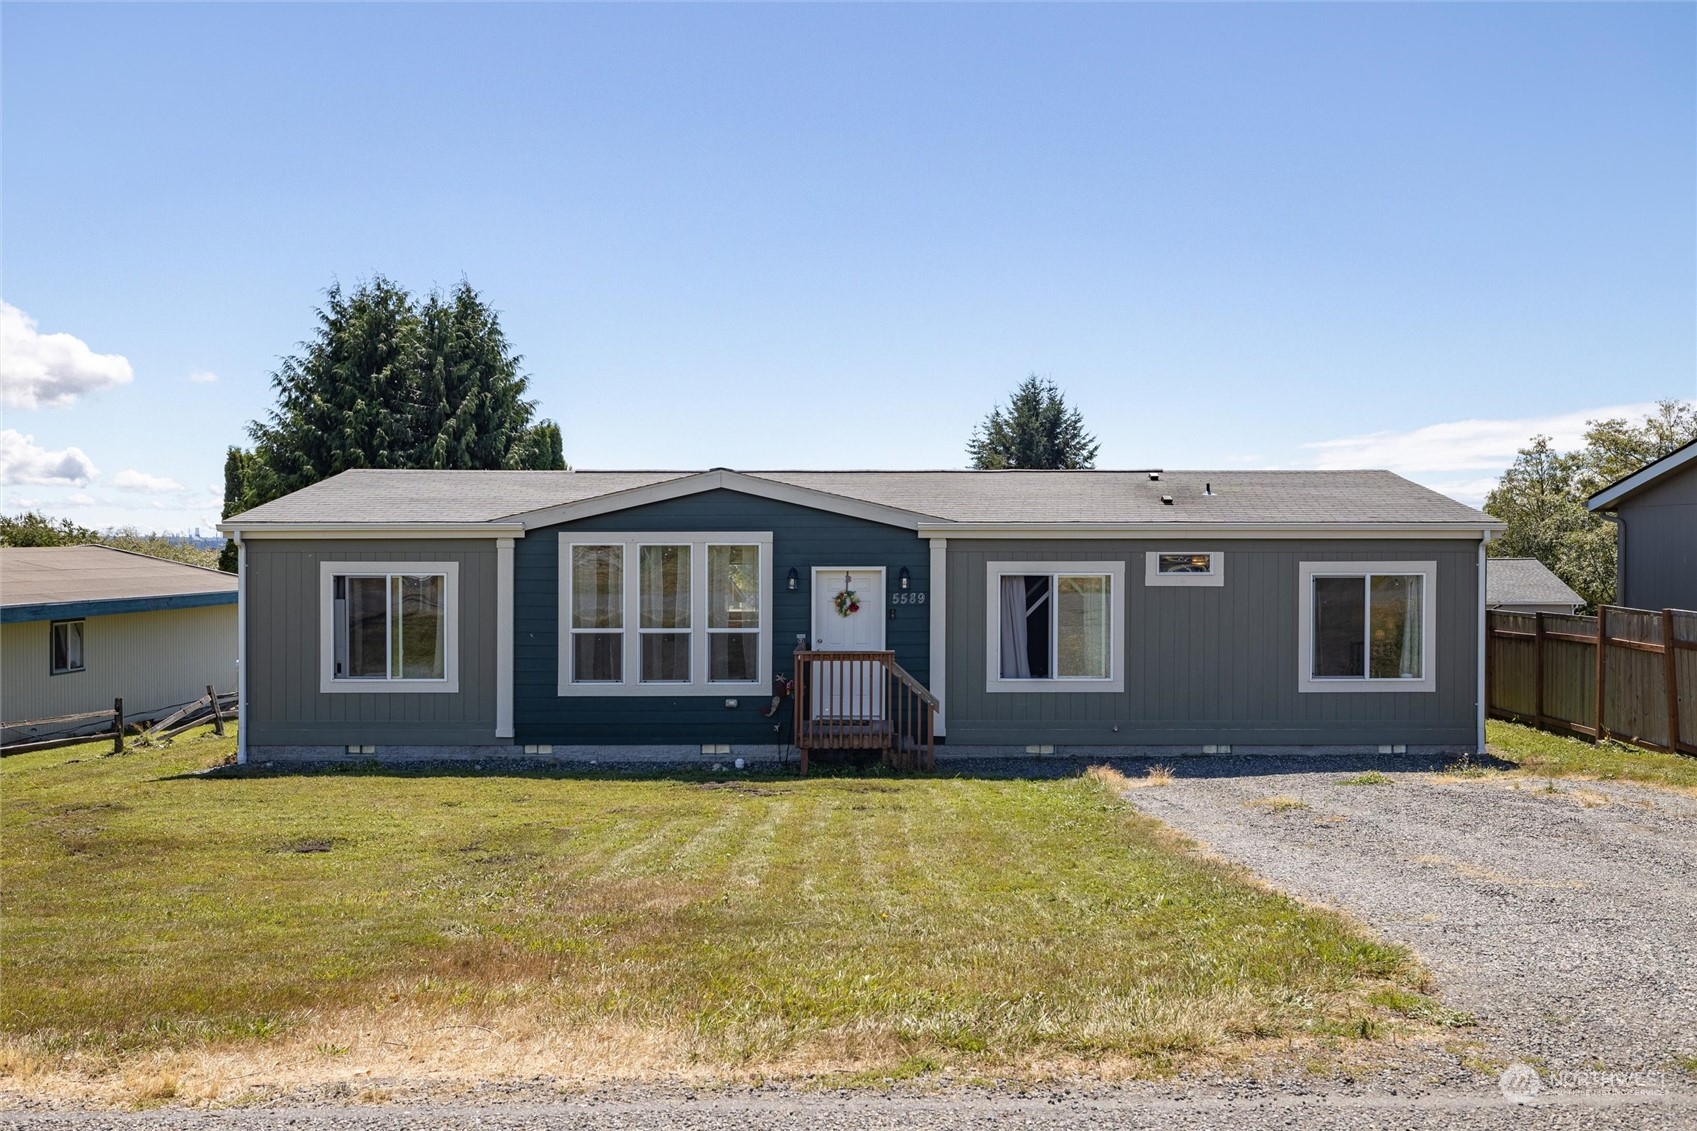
x: 544, y: 448
x: 32, y: 528
x: 1036, y: 431
x: 1541, y: 497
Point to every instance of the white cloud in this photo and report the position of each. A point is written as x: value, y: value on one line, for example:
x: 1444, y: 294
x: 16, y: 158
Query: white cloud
x: 1462, y: 445
x: 1440, y: 456
x: 22, y: 460
x: 203, y: 376
x: 50, y: 370
x: 130, y: 479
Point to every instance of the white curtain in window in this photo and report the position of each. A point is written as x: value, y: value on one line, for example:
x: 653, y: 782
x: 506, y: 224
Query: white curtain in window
x: 1016, y: 660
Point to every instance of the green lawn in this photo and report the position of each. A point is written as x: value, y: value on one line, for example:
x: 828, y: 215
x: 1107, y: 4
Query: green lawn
x: 1542, y: 754
x: 630, y: 925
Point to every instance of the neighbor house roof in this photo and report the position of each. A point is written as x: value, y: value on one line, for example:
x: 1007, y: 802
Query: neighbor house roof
x: 56, y: 582
x: 1622, y: 488
x: 522, y: 499
x: 1525, y: 581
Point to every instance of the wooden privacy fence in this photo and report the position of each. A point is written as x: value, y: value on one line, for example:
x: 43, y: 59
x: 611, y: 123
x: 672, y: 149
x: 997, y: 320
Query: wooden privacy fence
x: 1625, y: 674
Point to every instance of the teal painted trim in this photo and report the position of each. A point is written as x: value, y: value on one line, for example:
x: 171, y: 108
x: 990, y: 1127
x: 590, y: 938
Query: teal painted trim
x: 78, y: 610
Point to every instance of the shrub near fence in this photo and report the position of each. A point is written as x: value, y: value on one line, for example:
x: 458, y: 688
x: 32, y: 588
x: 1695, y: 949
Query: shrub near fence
x: 1625, y: 674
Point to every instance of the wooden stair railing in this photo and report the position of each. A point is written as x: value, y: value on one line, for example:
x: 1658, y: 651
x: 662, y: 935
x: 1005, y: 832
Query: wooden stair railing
x: 863, y: 701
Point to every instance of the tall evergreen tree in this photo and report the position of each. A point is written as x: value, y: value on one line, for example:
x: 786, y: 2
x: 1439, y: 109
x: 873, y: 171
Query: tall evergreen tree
x: 350, y: 398
x: 472, y: 411
x: 236, y: 493
x: 390, y: 382
x: 1036, y: 431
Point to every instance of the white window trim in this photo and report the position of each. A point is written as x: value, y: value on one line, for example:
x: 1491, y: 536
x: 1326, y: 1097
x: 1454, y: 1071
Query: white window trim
x: 1216, y: 575
x: 698, y: 542
x: 993, y: 681
x: 1306, y: 682
x: 327, y: 681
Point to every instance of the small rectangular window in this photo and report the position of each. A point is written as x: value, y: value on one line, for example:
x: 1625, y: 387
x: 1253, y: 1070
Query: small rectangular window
x: 65, y: 645
x: 1204, y: 568
x: 1184, y: 563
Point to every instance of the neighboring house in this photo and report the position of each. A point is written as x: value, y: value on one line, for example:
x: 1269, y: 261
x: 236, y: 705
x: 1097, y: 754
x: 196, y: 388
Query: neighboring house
x: 1655, y: 514
x: 1526, y: 585
x: 464, y: 613
x: 83, y: 625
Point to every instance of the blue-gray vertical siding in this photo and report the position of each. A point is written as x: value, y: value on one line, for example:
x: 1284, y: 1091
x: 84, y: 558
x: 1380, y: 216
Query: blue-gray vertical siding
x: 1215, y: 665
x: 801, y: 539
x: 285, y: 706
x: 1658, y: 544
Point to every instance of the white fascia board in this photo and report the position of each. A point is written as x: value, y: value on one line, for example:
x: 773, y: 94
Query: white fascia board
x: 1614, y: 493
x: 373, y: 530
x: 1182, y: 530
x: 719, y: 480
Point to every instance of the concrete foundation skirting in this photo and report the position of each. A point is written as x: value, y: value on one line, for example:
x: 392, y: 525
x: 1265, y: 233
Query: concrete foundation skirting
x: 771, y: 755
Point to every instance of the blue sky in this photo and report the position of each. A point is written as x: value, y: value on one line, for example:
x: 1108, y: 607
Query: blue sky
x: 834, y: 236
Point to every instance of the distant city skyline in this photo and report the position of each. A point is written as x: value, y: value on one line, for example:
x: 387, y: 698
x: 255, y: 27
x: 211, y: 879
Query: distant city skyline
x: 1330, y: 236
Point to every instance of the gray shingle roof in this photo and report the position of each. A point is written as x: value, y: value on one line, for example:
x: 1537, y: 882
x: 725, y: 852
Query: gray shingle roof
x: 41, y: 575
x: 1525, y: 581
x: 1344, y: 497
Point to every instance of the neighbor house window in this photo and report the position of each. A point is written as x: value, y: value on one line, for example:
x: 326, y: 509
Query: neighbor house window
x: 1367, y: 626
x: 1184, y: 567
x: 1055, y: 626
x: 389, y: 626
x: 65, y: 646
x: 663, y: 614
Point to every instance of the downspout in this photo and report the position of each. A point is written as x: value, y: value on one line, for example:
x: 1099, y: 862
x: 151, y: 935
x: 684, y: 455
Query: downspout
x: 940, y: 629
x: 1484, y: 627
x: 241, y: 650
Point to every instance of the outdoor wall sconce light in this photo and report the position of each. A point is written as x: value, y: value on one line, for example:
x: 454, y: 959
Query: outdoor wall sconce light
x: 793, y: 579
x: 903, y: 576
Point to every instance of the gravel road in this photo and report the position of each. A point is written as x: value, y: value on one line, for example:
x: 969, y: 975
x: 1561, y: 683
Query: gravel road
x: 1562, y: 915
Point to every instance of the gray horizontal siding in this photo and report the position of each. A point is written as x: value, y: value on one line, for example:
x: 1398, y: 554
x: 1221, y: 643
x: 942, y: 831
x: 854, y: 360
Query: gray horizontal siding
x: 801, y: 539
x: 285, y: 706
x: 1215, y: 665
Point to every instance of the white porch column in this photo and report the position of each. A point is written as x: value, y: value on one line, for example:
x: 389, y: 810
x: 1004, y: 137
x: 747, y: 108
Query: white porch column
x: 503, y: 638
x: 939, y: 600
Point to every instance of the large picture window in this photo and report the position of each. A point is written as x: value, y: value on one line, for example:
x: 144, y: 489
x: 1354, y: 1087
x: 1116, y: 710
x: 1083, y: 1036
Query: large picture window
x: 1367, y: 626
x: 389, y: 626
x: 1055, y: 626
x: 659, y: 614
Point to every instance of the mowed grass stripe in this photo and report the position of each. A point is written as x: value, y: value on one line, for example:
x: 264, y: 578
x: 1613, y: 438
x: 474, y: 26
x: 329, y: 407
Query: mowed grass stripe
x: 749, y: 920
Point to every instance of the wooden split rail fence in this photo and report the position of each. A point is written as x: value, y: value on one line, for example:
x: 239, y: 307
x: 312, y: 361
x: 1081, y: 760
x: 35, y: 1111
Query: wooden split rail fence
x: 215, y: 707
x: 1624, y: 674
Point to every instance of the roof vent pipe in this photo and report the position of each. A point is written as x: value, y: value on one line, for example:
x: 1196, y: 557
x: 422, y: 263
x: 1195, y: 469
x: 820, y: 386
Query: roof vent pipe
x: 1207, y: 488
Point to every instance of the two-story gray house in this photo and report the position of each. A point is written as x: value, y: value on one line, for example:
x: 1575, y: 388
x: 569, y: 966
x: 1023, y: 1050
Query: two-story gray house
x: 607, y: 614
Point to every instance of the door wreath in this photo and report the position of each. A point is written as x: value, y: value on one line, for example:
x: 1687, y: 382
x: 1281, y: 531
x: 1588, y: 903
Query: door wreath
x: 847, y: 602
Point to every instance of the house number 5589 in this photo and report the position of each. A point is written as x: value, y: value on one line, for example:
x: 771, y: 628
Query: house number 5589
x: 901, y: 598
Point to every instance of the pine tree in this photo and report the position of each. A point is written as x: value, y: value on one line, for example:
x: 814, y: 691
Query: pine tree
x: 1036, y: 431
x: 472, y: 408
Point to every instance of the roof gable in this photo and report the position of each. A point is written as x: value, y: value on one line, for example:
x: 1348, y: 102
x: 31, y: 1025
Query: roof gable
x: 1680, y: 459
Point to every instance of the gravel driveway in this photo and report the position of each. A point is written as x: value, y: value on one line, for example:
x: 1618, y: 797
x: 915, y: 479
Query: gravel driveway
x: 1562, y: 915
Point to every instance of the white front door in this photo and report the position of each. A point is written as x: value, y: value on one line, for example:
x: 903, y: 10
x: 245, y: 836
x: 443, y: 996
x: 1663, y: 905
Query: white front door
x: 848, y: 616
